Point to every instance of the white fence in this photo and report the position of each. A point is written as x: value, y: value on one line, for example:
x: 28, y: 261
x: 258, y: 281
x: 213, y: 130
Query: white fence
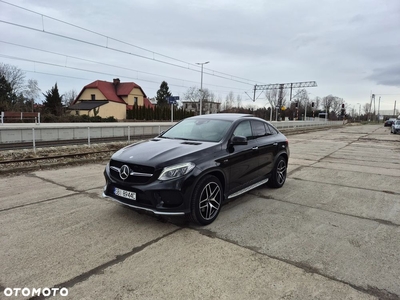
x: 83, y: 131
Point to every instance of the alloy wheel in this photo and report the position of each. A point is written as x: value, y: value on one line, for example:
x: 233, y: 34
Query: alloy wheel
x: 210, y: 201
x: 281, y: 172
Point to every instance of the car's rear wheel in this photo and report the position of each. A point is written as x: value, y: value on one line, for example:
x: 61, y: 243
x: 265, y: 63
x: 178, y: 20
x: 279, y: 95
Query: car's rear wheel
x: 206, y: 200
x: 278, y: 176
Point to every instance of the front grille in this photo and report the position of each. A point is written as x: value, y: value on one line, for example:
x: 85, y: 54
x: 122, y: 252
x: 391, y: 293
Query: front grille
x: 143, y: 174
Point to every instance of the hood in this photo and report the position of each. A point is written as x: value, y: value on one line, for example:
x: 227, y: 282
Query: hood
x: 161, y: 152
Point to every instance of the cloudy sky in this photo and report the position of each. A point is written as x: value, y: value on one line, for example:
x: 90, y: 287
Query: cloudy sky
x: 350, y: 48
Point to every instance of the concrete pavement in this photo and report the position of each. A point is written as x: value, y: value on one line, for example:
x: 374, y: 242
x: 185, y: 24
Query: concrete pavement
x: 332, y: 232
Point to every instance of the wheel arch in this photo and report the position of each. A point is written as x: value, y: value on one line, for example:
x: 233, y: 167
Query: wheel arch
x: 283, y: 154
x: 214, y: 172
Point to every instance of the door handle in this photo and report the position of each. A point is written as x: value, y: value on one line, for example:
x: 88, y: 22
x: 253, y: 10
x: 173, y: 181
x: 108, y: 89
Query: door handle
x: 254, y: 148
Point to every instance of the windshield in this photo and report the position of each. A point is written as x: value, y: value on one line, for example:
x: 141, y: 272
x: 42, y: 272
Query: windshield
x: 207, y: 130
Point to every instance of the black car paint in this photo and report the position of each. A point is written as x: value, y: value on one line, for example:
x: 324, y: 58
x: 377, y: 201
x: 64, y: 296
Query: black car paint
x: 236, y: 166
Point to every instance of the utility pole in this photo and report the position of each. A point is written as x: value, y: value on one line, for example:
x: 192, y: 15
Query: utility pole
x: 201, y: 84
x: 379, y: 106
x: 280, y: 87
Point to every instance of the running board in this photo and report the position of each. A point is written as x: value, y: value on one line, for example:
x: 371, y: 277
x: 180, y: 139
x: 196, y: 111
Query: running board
x: 253, y: 186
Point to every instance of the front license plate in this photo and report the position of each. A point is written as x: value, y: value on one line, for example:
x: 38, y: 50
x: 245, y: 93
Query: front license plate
x: 125, y: 194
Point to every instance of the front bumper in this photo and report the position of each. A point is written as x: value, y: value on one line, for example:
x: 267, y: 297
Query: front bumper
x: 170, y: 197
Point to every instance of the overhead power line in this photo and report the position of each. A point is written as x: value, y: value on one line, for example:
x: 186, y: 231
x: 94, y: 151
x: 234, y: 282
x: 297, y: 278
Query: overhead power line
x: 110, y: 65
x: 211, y: 72
x: 89, y: 71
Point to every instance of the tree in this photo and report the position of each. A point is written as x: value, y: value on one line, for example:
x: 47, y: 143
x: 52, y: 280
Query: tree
x: 366, y: 108
x: 229, y: 100
x: 53, y: 101
x: 239, y: 101
x: 7, y: 97
x: 31, y: 92
x: 14, y: 76
x: 162, y: 94
x: 69, y: 97
x: 301, y: 97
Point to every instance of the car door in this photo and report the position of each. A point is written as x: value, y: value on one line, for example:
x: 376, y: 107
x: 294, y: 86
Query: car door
x: 267, y: 147
x: 243, y: 159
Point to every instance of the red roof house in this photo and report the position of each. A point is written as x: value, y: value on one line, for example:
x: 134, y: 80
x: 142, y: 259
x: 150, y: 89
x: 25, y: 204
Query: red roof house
x: 107, y: 99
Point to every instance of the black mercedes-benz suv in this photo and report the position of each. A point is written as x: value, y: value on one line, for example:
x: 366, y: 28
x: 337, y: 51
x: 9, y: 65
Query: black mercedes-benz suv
x: 197, y: 164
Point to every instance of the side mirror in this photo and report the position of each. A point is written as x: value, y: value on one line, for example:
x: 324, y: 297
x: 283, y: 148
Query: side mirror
x: 239, y: 140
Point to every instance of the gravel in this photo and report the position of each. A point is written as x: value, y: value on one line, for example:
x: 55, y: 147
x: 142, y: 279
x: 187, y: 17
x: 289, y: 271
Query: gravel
x: 32, y: 165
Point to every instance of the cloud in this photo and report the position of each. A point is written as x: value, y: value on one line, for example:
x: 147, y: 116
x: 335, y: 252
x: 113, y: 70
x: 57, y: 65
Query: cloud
x: 389, y: 76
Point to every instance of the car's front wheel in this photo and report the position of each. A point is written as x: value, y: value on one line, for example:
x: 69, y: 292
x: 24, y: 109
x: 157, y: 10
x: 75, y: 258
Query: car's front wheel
x: 278, y: 176
x: 207, y: 200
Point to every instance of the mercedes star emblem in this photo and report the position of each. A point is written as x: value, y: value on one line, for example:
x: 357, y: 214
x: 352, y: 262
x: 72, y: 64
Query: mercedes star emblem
x: 124, y: 172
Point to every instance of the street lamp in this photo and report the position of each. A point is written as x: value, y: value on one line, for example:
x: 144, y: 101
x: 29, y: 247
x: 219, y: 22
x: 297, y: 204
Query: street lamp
x: 201, y: 83
x: 359, y: 111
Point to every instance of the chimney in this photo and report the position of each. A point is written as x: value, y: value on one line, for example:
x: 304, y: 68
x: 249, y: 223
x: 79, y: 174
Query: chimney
x: 116, y: 81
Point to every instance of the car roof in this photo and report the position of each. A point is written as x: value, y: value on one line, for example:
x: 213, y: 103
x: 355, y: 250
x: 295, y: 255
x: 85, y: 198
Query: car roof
x: 223, y: 116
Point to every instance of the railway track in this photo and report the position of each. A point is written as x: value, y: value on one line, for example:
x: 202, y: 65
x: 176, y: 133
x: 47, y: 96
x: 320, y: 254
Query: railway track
x: 55, y: 157
x: 59, y: 143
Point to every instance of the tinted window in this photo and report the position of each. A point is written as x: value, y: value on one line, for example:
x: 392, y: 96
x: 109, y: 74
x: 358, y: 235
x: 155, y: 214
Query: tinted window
x: 272, y: 129
x: 243, y: 129
x: 199, y: 129
x: 258, y: 129
x: 267, y: 130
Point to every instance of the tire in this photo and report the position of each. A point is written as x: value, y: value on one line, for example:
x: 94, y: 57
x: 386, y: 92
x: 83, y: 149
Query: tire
x: 278, y: 176
x: 206, y: 200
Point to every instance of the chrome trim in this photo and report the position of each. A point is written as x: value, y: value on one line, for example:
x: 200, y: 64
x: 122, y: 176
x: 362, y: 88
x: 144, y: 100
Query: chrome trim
x: 132, y: 172
x: 140, y: 174
x: 144, y: 208
x: 253, y: 186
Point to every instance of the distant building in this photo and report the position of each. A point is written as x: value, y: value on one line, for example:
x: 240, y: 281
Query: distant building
x: 109, y: 99
x: 208, y: 107
x: 389, y: 113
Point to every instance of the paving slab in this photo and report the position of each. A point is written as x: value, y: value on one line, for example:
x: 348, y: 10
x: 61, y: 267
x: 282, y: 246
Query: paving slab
x: 47, y: 244
x: 338, y: 246
x: 27, y: 189
x: 194, y: 266
x: 79, y: 178
x: 349, y: 178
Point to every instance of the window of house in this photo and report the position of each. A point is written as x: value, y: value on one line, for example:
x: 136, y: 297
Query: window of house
x: 135, y: 100
x: 93, y: 97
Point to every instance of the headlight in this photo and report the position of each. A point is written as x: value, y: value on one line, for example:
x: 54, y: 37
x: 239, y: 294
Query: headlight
x: 176, y: 171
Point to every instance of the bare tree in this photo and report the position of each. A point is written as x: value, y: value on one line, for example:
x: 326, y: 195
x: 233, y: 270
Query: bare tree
x: 69, y: 97
x: 194, y: 94
x: 229, y: 100
x: 31, y: 92
x: 317, y: 102
x: 239, y: 101
x: 301, y: 97
x: 366, y: 108
x: 14, y: 76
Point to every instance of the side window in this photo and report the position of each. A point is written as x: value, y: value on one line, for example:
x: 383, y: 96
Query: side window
x: 258, y: 129
x: 243, y: 129
x: 272, y: 129
x: 267, y: 130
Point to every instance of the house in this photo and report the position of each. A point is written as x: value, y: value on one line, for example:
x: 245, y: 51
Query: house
x: 207, y: 107
x: 109, y: 99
